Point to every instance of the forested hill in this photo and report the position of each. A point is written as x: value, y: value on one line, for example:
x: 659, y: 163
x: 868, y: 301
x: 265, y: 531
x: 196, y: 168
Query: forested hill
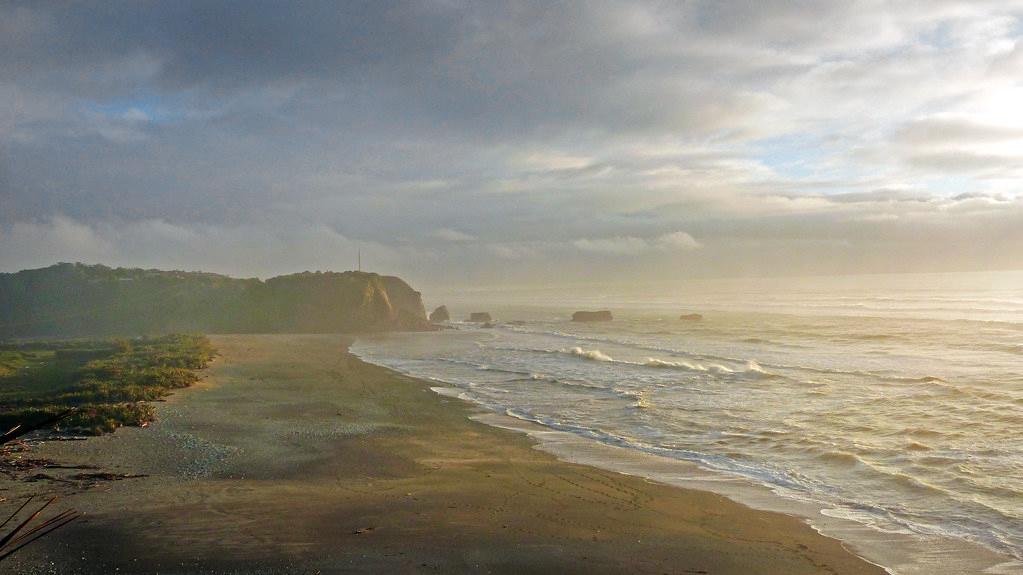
x: 67, y: 300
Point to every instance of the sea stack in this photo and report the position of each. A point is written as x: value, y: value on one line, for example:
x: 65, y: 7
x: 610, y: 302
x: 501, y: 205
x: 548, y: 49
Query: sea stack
x: 603, y: 315
x: 480, y: 317
x: 440, y: 315
x: 690, y: 317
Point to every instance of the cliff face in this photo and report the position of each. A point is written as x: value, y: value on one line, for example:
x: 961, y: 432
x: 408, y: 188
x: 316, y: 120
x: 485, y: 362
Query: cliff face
x: 407, y: 303
x: 68, y: 300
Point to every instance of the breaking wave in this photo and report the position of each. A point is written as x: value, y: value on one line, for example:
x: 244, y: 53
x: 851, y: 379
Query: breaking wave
x: 751, y: 367
x: 594, y: 354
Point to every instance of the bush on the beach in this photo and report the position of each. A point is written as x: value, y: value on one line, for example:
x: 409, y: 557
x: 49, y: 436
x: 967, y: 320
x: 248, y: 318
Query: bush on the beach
x: 107, y: 382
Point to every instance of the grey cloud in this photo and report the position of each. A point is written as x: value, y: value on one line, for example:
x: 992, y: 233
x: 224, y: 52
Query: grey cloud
x: 950, y: 131
x: 471, y: 132
x: 452, y: 235
x: 874, y: 196
x: 958, y: 146
x: 240, y: 250
x: 962, y: 161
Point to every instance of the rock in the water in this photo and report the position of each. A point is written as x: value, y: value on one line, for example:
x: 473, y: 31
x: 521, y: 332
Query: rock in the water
x: 690, y: 317
x: 480, y: 317
x: 440, y: 314
x: 603, y: 315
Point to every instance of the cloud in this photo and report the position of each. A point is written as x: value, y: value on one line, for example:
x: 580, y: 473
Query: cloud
x: 511, y: 251
x: 961, y: 161
x: 962, y: 145
x: 619, y: 245
x: 243, y: 250
x: 630, y: 245
x: 944, y: 131
x: 452, y: 235
x: 60, y: 239
x: 519, y: 139
x: 680, y: 241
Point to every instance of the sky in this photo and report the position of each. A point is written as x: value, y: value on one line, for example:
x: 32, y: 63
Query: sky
x: 514, y: 143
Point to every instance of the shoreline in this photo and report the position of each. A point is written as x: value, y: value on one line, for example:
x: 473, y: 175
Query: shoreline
x: 296, y: 456
x: 898, y: 552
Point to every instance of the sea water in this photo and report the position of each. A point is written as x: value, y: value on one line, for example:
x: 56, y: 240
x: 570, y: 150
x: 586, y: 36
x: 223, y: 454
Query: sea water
x: 892, y: 401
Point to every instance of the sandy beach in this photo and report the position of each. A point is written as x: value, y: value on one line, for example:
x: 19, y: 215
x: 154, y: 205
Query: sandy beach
x: 293, y: 456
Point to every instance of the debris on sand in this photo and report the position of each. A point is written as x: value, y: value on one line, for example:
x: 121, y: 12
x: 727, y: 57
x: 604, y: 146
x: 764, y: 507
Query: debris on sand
x: 29, y: 530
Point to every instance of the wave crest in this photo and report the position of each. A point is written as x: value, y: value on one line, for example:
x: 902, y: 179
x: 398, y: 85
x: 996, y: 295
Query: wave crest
x: 593, y: 354
x: 752, y: 367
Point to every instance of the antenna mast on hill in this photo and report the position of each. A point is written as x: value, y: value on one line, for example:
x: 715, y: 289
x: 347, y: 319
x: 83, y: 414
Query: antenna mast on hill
x: 360, y: 259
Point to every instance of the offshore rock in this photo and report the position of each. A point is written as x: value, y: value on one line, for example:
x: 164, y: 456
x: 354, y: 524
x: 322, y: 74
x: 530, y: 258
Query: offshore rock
x: 440, y: 315
x: 603, y: 315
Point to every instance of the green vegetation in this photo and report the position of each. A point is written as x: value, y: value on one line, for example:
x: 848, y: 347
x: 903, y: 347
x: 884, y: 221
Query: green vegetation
x: 107, y: 381
x: 75, y: 300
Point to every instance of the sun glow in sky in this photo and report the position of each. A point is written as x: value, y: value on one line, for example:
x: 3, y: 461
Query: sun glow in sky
x: 514, y: 142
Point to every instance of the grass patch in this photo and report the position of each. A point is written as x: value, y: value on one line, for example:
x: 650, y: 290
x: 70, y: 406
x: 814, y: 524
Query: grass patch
x: 108, y: 382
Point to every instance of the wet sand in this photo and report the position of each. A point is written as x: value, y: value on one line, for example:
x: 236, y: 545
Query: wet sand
x: 296, y: 457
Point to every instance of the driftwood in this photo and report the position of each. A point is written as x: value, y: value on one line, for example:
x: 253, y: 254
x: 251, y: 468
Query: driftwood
x: 19, y: 430
x: 105, y: 476
x: 29, y: 530
x: 32, y: 527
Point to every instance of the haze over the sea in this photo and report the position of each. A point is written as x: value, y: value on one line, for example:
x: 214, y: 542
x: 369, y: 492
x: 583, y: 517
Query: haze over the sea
x: 463, y: 143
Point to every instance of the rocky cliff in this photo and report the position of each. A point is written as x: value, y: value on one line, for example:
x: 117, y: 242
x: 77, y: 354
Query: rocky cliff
x: 69, y: 300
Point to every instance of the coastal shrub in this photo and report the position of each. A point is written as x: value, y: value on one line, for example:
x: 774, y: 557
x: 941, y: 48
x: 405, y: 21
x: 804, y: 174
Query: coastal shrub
x: 107, y: 383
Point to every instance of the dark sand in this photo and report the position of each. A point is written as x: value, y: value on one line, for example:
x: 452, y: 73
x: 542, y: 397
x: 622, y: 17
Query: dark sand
x: 294, y: 457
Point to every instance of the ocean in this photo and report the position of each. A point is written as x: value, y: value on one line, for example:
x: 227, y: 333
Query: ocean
x: 891, y: 401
